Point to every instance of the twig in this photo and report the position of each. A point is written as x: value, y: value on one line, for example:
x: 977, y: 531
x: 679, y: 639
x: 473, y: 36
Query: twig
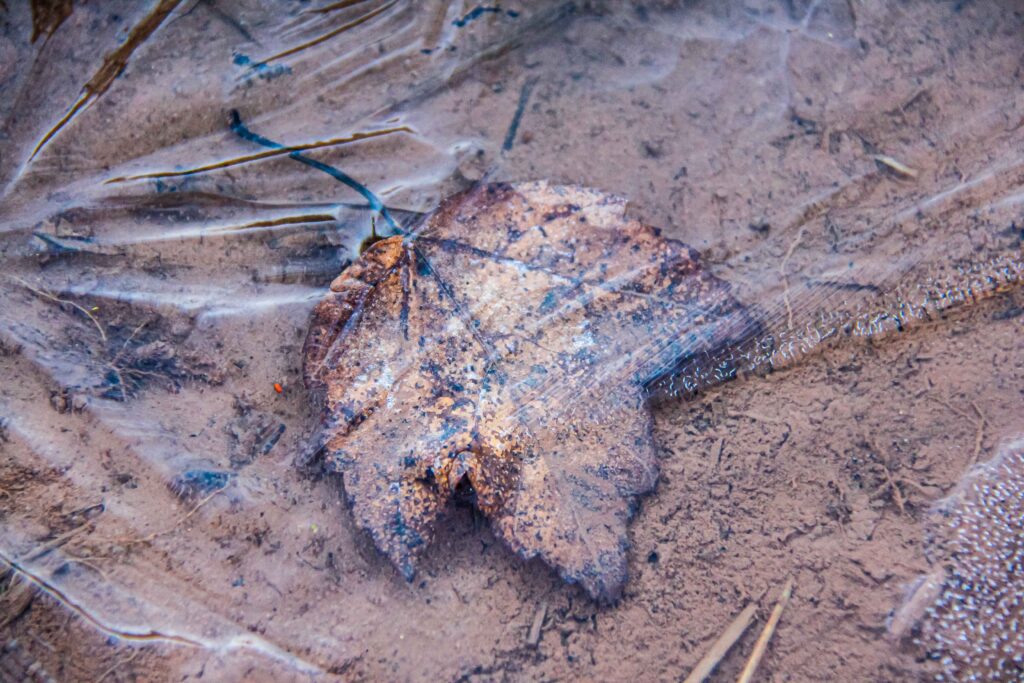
x: 342, y: 4
x: 51, y: 297
x: 184, y: 519
x: 897, y: 495
x: 513, y: 127
x: 116, y: 369
x: 330, y: 34
x: 533, y: 637
x: 127, y: 341
x: 979, y: 436
x: 157, y: 534
x: 757, y: 417
x: 355, y: 137
x: 981, y: 423
x: 721, y: 647
x: 115, y: 665
x: 17, y: 599
x: 240, y: 129
x: 55, y: 542
x: 135, y: 372
x: 785, y: 278
x: 86, y: 563
x: 950, y: 406
x: 893, y: 483
x: 769, y: 628
x: 113, y: 64
x: 273, y: 223
x: 51, y: 242
x: 896, y: 165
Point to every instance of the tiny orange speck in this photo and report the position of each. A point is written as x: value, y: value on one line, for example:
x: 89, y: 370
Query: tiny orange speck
x: 278, y: 388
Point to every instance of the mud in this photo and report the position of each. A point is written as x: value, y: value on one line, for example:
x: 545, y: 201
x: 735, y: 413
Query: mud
x: 166, y: 530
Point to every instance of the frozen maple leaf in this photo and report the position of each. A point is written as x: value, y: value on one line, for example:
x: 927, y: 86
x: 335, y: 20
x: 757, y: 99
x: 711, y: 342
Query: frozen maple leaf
x: 505, y: 344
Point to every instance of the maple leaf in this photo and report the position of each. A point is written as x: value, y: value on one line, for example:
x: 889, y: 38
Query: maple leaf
x: 505, y: 344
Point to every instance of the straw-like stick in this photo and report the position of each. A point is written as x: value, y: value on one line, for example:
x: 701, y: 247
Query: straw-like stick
x: 762, y: 641
x: 722, y: 646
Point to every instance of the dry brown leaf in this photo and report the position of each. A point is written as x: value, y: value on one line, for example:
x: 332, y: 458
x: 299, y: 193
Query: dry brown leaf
x: 505, y: 345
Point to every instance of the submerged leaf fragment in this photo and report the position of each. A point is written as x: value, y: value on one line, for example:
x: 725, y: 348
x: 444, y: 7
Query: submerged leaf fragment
x: 504, y: 345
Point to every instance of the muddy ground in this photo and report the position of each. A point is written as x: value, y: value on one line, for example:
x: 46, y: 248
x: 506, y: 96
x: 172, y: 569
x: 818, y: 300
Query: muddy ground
x: 751, y: 132
x: 767, y: 479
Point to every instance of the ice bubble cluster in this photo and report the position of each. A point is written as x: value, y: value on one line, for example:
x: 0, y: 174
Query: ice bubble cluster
x: 973, y: 624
